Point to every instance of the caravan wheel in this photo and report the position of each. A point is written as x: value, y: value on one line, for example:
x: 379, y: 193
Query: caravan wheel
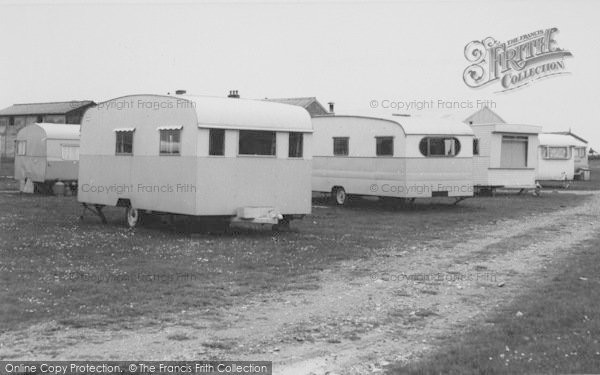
x: 339, y: 195
x: 133, y: 217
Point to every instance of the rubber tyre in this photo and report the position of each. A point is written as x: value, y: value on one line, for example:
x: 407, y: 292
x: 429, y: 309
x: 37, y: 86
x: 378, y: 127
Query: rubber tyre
x: 132, y: 216
x: 339, y: 196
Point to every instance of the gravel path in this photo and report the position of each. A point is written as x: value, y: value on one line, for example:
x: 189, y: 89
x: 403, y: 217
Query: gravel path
x: 395, y: 307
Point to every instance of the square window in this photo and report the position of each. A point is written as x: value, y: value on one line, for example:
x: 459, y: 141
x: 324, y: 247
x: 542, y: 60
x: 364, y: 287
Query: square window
x: 170, y: 141
x: 340, y: 146
x: 124, y: 143
x: 384, y: 146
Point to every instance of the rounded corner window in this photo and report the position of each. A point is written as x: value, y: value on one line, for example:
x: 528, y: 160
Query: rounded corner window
x: 439, y: 146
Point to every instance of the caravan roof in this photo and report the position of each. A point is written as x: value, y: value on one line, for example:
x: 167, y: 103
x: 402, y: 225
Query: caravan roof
x: 59, y: 131
x: 235, y: 113
x: 420, y: 125
x: 547, y: 139
x: 433, y: 126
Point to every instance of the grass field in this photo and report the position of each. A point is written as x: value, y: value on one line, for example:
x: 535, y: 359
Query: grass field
x: 553, y: 328
x: 54, y: 267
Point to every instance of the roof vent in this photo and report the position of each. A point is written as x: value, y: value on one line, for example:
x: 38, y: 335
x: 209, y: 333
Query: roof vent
x: 233, y: 94
x: 180, y: 92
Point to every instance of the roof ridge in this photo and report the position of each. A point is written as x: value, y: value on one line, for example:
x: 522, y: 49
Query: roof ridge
x: 59, y: 102
x: 294, y: 97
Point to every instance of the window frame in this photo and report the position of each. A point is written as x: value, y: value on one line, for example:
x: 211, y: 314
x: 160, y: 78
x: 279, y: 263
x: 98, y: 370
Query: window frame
x: 212, y: 131
x: 121, y: 132
x: 377, y: 144
x: 21, y: 142
x: 63, y: 146
x: 476, y: 147
x: 299, y: 154
x: 273, y: 145
x: 546, y: 152
x: 160, y: 140
x: 515, y: 138
x: 347, y: 146
x: 457, y: 146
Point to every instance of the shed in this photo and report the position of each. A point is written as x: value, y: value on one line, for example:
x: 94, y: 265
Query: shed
x: 47, y: 152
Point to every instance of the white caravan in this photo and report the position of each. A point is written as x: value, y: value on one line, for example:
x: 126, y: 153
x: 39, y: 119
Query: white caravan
x: 556, y: 158
x: 234, y: 159
x: 401, y: 157
x: 45, y: 153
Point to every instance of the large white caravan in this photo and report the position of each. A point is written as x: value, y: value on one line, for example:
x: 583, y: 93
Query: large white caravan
x: 402, y: 157
x: 242, y: 160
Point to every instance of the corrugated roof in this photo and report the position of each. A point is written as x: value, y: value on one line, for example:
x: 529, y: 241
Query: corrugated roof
x: 53, y: 108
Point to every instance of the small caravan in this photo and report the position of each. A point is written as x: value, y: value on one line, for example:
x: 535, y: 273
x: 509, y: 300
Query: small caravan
x: 229, y: 158
x: 556, y: 157
x: 401, y: 157
x: 45, y: 153
x: 505, y: 155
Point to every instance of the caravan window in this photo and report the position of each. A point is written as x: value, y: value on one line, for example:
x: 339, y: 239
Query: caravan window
x: 439, y: 146
x: 513, y: 153
x: 216, y: 142
x: 70, y: 152
x: 340, y: 146
x: 556, y: 153
x: 255, y: 142
x: 384, y: 146
x: 475, y: 146
x: 124, y: 144
x: 295, y: 145
x: 170, y: 141
x: 21, y: 147
x: 580, y: 152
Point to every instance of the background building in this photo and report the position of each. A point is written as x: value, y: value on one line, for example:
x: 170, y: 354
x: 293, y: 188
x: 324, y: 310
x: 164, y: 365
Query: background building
x: 17, y: 116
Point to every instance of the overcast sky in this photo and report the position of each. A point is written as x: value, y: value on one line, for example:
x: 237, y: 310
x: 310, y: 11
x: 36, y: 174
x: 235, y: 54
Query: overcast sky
x: 348, y: 52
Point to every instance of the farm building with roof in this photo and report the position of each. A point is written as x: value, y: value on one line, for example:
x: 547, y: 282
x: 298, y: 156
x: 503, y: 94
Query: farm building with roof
x: 17, y: 116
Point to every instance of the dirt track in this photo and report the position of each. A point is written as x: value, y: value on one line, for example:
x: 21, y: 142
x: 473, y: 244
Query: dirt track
x: 364, y: 315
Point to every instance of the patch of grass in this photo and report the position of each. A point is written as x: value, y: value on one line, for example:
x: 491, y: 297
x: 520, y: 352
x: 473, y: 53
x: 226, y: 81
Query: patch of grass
x: 86, y: 274
x: 178, y: 337
x: 220, y: 345
x: 552, y: 329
